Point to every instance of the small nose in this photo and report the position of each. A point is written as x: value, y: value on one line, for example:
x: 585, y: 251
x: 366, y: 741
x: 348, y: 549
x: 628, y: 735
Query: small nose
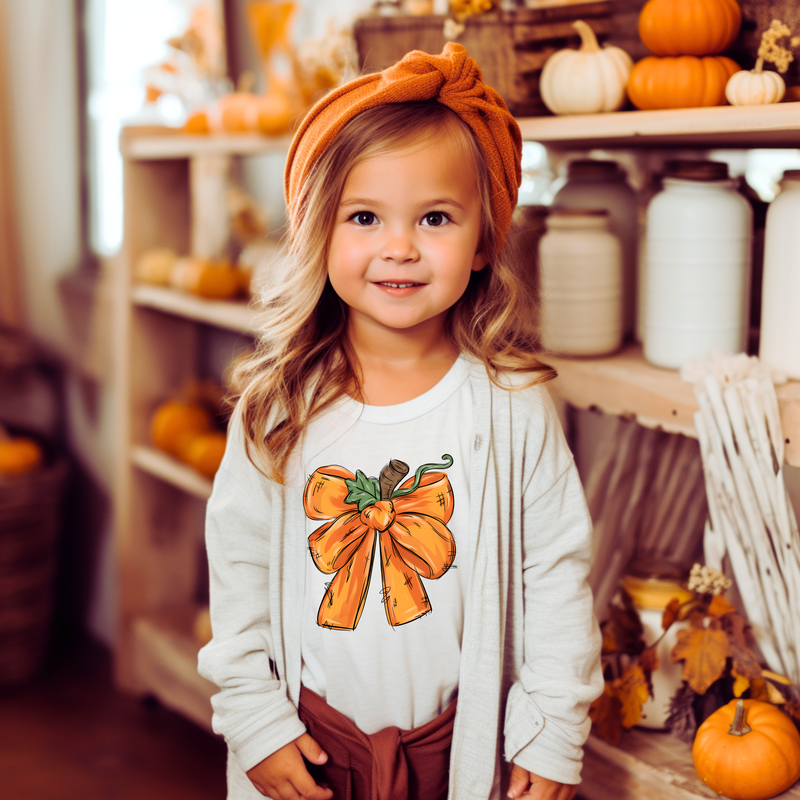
x: 399, y: 247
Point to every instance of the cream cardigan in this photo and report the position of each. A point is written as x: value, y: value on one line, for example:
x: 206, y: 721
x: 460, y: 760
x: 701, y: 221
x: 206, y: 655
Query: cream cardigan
x: 530, y: 662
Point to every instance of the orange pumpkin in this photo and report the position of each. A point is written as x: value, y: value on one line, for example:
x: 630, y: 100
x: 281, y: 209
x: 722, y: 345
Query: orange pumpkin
x: 175, y: 423
x: 204, y: 452
x: 747, y: 750
x: 214, y: 280
x: 680, y: 82
x: 19, y: 455
x: 689, y: 27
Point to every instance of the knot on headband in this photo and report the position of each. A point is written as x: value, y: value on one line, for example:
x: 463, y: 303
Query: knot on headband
x: 452, y: 79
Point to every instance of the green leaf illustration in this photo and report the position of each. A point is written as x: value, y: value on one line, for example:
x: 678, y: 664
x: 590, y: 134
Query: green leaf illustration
x: 363, y: 491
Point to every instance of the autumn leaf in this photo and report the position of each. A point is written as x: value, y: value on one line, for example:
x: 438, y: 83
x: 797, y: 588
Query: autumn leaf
x: 766, y: 692
x: 773, y: 676
x: 670, y: 614
x: 606, y: 715
x: 745, y: 661
x: 704, y: 652
x: 741, y: 684
x: 719, y: 606
x: 622, y: 631
x: 648, y: 661
x: 632, y: 691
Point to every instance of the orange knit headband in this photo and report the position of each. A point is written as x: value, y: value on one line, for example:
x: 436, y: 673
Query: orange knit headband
x: 454, y: 80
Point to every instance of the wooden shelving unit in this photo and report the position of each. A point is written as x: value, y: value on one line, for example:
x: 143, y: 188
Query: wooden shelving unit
x: 233, y: 315
x: 624, y: 384
x: 720, y: 126
x: 160, y: 503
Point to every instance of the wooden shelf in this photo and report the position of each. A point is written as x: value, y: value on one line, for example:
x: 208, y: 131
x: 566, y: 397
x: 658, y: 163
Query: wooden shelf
x: 230, y: 314
x: 646, y: 764
x: 168, y: 469
x: 624, y: 384
x: 165, y: 658
x: 720, y: 126
x: 153, y: 143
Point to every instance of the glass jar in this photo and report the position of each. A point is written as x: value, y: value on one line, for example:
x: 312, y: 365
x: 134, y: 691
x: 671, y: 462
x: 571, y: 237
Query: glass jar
x: 652, y: 583
x: 603, y: 184
x: 698, y: 254
x: 780, y: 303
x: 580, y: 283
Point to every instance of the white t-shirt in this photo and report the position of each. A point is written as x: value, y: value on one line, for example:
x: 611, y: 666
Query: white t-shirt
x: 380, y: 674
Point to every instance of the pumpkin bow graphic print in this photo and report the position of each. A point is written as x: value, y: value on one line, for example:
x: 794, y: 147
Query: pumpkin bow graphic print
x: 409, y: 523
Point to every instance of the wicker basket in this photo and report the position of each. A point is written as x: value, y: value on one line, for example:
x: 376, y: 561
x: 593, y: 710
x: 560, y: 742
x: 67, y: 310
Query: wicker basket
x: 511, y: 47
x: 30, y: 518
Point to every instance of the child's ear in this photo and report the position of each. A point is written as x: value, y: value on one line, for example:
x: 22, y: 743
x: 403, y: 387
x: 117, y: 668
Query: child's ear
x: 479, y: 262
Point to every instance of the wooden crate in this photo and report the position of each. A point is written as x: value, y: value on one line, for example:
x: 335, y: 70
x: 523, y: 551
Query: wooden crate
x: 511, y: 47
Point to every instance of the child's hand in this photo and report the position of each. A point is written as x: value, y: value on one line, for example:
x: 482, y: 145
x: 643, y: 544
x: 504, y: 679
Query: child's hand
x: 527, y: 786
x: 283, y: 775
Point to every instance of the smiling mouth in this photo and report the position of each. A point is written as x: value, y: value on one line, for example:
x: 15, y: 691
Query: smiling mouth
x: 398, y: 285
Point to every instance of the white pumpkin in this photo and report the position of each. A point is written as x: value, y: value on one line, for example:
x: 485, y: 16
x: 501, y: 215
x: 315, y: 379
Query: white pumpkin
x: 588, y: 80
x: 755, y: 87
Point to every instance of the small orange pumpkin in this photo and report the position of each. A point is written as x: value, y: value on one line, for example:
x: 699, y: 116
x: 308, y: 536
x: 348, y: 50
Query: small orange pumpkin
x: 689, y: 27
x: 747, y: 750
x: 680, y: 82
x: 174, y: 423
x: 19, y: 455
x: 204, y: 452
x: 214, y: 280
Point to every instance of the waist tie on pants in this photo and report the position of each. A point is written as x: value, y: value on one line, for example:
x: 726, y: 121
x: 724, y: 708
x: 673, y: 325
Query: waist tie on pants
x: 392, y: 764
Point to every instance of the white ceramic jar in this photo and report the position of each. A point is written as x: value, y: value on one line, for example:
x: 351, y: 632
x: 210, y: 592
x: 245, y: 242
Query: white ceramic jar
x: 603, y: 184
x: 780, y: 301
x: 580, y: 283
x: 652, y: 584
x: 698, y: 254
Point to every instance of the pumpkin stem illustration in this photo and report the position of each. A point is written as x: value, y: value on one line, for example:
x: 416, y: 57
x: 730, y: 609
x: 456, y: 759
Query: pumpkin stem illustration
x: 390, y: 476
x: 448, y: 462
x: 739, y: 726
x: 588, y: 39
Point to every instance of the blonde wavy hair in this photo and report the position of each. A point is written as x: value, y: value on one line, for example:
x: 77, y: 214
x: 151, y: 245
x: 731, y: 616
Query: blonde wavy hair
x: 302, y: 362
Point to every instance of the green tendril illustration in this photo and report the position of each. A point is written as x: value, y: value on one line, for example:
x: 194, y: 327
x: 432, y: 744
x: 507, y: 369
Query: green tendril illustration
x: 448, y: 462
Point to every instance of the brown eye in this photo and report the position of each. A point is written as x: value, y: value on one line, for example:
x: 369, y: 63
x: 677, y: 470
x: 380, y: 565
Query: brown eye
x: 436, y: 219
x: 364, y: 218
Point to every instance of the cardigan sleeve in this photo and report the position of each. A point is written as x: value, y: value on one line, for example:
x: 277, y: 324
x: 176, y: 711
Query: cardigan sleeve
x: 547, y: 708
x: 252, y: 710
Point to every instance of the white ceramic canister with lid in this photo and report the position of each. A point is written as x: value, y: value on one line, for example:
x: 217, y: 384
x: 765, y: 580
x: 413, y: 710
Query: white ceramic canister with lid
x: 780, y: 301
x: 603, y: 184
x: 580, y: 283
x: 652, y: 584
x: 698, y: 254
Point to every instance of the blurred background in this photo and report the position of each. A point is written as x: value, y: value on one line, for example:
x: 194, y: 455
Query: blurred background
x: 142, y: 145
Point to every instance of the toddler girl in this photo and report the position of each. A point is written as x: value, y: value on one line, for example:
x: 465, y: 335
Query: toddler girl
x: 397, y: 537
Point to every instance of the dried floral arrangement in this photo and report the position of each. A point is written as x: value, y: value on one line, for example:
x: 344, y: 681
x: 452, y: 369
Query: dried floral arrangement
x: 719, y: 655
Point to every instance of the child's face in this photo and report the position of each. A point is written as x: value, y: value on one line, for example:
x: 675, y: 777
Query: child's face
x: 405, y: 238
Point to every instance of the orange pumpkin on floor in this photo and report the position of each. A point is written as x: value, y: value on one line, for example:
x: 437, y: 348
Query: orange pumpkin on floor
x: 689, y: 27
x: 680, y: 82
x: 747, y: 750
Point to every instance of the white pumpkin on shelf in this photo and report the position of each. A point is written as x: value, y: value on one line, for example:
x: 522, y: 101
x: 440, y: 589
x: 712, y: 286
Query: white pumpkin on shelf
x: 589, y: 80
x: 755, y: 87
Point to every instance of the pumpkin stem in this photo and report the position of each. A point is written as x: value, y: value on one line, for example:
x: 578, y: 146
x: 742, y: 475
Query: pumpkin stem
x: 588, y: 39
x: 390, y: 476
x: 739, y: 726
x: 759, y: 66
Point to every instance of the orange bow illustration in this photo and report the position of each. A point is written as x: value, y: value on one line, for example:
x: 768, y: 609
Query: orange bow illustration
x: 409, y: 523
